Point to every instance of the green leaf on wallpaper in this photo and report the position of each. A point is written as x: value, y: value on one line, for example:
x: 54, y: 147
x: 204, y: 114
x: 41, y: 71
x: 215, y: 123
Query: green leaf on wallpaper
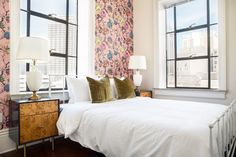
x: 109, y: 23
x: 2, y: 79
x: 2, y: 25
x: 109, y: 55
x: 8, y: 50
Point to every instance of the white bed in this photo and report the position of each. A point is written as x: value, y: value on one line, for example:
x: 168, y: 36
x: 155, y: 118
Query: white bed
x: 142, y: 127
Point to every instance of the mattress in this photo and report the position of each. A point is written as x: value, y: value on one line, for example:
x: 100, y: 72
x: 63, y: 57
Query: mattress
x: 141, y: 127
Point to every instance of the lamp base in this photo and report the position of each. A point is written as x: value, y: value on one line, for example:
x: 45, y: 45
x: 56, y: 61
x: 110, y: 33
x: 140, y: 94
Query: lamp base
x: 34, y: 96
x: 137, y: 91
x: 137, y: 77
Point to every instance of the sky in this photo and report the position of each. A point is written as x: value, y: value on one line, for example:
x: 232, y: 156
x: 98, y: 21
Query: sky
x: 57, y: 7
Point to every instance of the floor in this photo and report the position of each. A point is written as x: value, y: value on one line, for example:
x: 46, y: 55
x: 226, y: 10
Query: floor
x: 63, y: 148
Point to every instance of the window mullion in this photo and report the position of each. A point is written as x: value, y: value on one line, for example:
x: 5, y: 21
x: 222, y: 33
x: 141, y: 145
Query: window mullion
x: 175, y: 45
x: 208, y: 44
x: 67, y: 35
x: 166, y: 50
x: 28, y: 18
x: 77, y: 35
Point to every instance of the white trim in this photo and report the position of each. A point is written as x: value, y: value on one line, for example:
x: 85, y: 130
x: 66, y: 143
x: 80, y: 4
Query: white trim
x: 4, y: 132
x: 192, y: 93
x: 222, y: 44
x: 39, y: 92
x: 15, y: 35
x: 155, y: 43
x: 5, y: 142
x: 92, y: 37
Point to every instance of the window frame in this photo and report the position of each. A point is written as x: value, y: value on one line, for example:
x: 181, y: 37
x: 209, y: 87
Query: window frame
x: 49, y: 17
x: 206, y: 26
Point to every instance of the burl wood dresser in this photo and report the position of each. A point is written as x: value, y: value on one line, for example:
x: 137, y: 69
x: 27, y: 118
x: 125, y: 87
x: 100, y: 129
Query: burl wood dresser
x: 31, y: 121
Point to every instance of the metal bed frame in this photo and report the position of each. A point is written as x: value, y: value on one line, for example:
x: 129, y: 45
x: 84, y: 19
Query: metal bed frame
x: 222, y: 130
x: 225, y: 132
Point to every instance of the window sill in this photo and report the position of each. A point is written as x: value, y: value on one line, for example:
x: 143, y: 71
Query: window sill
x: 39, y: 92
x: 191, y: 93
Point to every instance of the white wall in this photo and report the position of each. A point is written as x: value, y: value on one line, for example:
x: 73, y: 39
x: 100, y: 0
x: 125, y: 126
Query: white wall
x: 231, y: 48
x: 144, y: 45
x: 15, y: 34
x: 143, y: 38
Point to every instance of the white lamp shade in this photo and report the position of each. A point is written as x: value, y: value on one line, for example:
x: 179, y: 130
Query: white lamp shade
x: 137, y: 62
x: 33, y: 48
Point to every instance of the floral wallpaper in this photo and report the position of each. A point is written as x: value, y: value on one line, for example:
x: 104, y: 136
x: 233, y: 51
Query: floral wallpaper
x: 114, y: 37
x: 4, y: 61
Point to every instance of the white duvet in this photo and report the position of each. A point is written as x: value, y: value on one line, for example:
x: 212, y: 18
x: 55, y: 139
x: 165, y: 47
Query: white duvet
x: 141, y: 127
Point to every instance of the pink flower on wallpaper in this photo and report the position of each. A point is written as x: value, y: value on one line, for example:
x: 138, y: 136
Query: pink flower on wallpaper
x: 114, y: 37
x: 4, y: 61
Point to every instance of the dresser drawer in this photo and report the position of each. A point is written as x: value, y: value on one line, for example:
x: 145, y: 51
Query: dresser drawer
x: 146, y: 94
x: 34, y: 108
x: 38, y: 127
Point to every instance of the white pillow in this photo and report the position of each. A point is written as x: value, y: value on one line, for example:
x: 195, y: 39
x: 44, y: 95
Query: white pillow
x: 78, y: 89
x: 113, y: 87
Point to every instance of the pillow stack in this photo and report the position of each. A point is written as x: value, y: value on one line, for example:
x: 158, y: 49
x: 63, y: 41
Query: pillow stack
x: 101, y: 90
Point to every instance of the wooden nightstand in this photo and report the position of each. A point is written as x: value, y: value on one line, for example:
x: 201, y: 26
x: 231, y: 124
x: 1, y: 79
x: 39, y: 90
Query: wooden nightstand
x: 146, y: 93
x: 33, y: 120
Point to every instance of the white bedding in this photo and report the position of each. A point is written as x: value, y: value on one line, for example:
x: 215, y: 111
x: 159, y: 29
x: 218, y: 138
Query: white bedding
x: 141, y: 127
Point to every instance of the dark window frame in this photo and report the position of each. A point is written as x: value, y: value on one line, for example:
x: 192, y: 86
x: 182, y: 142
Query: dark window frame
x: 30, y: 13
x: 175, y: 59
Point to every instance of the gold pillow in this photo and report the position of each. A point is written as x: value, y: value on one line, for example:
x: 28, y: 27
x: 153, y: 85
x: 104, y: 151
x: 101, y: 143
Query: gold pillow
x: 100, y: 90
x: 124, y: 88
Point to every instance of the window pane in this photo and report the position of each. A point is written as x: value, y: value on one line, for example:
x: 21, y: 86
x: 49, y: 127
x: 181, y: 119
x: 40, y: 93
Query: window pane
x: 192, y: 73
x: 23, y: 4
x: 191, y: 14
x: 171, y: 74
x: 192, y: 43
x: 22, y: 81
x: 43, y: 68
x: 72, y: 40
x: 23, y: 23
x: 57, y: 82
x: 54, y: 31
x: 55, y: 7
x: 170, y: 19
x: 213, y: 11
x: 170, y: 46
x: 73, y: 11
x: 45, y: 82
x: 214, y: 72
x: 71, y: 66
x: 214, y: 40
x: 56, y: 66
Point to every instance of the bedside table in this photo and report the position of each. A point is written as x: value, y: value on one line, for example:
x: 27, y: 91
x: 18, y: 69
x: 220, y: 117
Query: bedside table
x: 146, y: 93
x: 33, y: 120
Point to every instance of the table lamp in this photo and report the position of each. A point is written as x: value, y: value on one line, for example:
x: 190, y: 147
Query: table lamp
x: 137, y: 63
x: 32, y: 50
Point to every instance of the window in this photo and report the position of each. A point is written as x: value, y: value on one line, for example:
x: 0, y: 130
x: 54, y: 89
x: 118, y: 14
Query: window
x: 56, y: 20
x: 192, y: 45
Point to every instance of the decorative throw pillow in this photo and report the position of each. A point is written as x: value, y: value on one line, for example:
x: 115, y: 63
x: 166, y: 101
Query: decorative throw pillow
x: 124, y: 88
x: 100, y: 90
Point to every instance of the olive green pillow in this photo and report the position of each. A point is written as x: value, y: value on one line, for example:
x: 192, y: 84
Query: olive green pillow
x: 124, y: 88
x: 100, y: 90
